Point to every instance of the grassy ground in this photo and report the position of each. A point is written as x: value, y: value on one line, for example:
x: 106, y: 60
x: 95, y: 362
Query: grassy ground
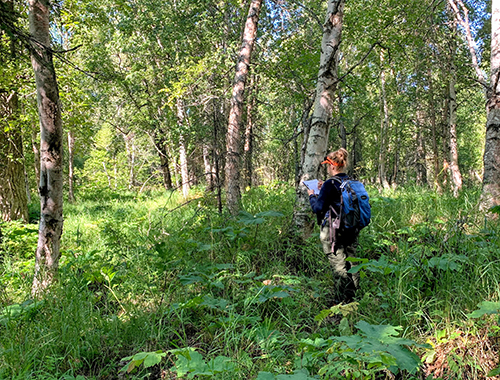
x: 180, y: 291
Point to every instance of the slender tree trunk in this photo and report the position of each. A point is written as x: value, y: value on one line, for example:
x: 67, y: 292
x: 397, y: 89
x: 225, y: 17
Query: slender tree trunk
x: 51, y: 152
x: 490, y: 195
x: 456, y: 176
x: 236, y: 111
x: 36, y: 152
x: 130, y: 147
x: 445, y: 145
x: 317, y: 140
x: 71, y: 147
x: 181, y: 116
x: 13, y: 195
x: 216, y: 155
x: 384, y: 128
x: 435, y: 150
x: 342, y: 130
x: 161, y: 147
x: 420, y: 159
x: 306, y: 121
x: 208, y: 168
x: 491, y: 180
x: 248, y: 148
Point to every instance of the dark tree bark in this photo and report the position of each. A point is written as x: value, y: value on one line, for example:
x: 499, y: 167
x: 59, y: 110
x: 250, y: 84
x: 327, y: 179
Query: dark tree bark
x: 161, y: 147
x: 248, y: 148
x: 36, y: 152
x: 13, y: 196
x: 51, y: 148
x: 235, y: 114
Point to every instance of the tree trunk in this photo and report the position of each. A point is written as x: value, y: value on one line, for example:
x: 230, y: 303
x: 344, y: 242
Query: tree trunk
x: 456, y: 176
x: 420, y: 159
x: 216, y: 154
x: 305, y: 121
x: 161, y: 147
x: 384, y: 128
x: 36, y: 152
x: 235, y: 114
x: 208, y: 168
x: 181, y: 115
x: 317, y: 140
x: 490, y: 195
x: 51, y: 152
x: 491, y: 180
x: 71, y: 147
x: 130, y: 148
x: 435, y: 150
x: 248, y: 148
x: 13, y: 196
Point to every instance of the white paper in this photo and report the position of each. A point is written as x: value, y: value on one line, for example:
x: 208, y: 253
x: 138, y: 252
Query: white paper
x: 312, y: 185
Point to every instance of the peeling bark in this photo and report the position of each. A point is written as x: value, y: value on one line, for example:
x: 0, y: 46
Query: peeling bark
x: 51, y: 149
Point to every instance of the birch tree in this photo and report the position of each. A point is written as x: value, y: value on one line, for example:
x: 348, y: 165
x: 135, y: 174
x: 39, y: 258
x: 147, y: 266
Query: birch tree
x: 51, y: 153
x: 491, y: 179
x: 317, y: 140
x: 236, y: 111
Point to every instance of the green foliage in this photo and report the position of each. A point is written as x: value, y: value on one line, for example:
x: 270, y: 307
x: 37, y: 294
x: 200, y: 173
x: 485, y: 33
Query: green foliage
x: 485, y: 307
x: 187, y: 292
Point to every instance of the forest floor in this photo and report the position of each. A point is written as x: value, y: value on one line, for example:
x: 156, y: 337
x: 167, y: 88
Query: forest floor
x: 152, y: 287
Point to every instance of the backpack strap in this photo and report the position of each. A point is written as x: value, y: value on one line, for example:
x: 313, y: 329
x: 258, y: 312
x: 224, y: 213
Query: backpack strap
x: 334, y: 223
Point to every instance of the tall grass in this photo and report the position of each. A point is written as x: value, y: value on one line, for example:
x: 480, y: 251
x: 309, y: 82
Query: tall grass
x: 148, y: 272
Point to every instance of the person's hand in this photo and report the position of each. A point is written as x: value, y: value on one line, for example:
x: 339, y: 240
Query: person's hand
x: 310, y: 192
x: 320, y: 183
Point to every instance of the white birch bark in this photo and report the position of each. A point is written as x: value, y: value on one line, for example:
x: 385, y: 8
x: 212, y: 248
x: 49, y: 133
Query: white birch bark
x: 182, y: 149
x: 71, y: 146
x: 491, y: 180
x: 317, y: 140
x: 233, y: 137
x: 456, y: 176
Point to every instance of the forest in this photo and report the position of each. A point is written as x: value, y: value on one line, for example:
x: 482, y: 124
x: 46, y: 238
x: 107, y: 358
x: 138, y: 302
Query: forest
x: 154, y: 220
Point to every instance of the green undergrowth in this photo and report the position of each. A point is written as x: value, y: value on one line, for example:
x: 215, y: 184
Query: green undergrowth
x: 154, y: 286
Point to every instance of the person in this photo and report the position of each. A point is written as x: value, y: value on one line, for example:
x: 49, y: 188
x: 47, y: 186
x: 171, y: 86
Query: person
x: 337, y: 243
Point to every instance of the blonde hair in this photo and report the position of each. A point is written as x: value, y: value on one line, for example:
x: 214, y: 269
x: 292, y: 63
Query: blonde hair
x: 340, y: 158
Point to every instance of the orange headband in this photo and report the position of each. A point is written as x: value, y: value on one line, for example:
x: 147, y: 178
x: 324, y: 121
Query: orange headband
x: 331, y: 162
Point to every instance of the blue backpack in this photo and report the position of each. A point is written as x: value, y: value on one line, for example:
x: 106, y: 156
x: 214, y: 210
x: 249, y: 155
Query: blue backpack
x: 355, y: 206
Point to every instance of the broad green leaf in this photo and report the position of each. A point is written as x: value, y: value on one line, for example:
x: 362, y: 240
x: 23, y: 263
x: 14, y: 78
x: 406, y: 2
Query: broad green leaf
x: 485, y: 307
x: 494, y: 372
x: 153, y: 358
x: 220, y: 364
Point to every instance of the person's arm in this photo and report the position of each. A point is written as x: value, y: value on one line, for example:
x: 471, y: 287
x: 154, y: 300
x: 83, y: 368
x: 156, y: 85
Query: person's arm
x: 320, y: 204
